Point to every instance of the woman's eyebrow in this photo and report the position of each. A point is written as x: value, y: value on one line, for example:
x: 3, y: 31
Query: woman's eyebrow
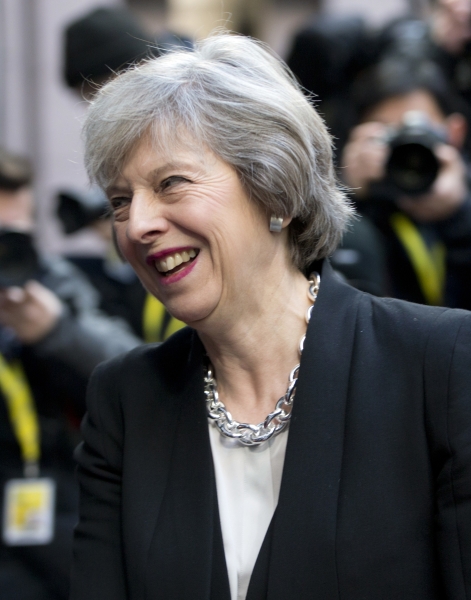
x: 173, y: 165
x: 117, y: 189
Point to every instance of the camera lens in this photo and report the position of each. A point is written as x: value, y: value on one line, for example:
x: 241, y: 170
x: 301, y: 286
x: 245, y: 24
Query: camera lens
x: 412, y: 167
x: 19, y: 261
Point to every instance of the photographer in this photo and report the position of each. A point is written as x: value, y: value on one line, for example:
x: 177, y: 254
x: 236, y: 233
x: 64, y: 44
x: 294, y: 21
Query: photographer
x: 404, y: 163
x: 51, y: 337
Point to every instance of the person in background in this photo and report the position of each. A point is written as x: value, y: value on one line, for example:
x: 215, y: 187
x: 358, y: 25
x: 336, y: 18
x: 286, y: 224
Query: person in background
x: 404, y: 163
x: 52, y: 335
x: 106, y: 41
x: 442, y: 36
x: 450, y: 33
x: 97, y: 46
x: 325, y: 55
x: 329, y: 52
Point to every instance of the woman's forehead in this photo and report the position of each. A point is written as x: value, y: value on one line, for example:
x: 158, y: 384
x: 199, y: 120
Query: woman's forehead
x: 153, y: 158
x: 161, y: 140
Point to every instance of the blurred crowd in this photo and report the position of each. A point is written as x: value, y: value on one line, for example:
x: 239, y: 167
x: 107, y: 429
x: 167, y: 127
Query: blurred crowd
x: 398, y: 103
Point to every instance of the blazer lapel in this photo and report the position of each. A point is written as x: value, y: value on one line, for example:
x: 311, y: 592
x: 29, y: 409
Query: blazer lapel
x: 258, y: 587
x: 220, y: 589
x: 302, y: 563
x: 180, y: 562
x: 152, y: 398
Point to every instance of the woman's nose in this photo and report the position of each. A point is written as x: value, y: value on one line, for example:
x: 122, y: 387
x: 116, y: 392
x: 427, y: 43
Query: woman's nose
x: 146, y: 219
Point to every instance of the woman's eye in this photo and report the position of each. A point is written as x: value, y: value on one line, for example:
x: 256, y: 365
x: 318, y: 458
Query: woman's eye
x: 172, y: 181
x: 117, y: 203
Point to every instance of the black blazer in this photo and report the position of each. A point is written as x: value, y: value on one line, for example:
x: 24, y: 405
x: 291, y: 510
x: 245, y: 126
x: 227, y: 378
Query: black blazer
x: 375, y: 500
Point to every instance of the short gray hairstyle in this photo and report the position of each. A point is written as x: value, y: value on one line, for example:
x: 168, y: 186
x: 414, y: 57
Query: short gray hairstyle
x: 234, y: 96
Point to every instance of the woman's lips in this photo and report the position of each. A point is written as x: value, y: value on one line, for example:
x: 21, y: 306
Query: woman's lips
x: 173, y: 264
x: 174, y: 260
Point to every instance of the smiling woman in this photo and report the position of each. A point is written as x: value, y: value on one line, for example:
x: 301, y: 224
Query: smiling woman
x: 299, y: 439
x: 194, y: 206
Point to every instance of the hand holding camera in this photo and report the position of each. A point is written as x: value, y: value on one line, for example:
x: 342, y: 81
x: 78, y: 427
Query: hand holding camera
x: 364, y: 157
x: 447, y: 192
x: 30, y: 311
x: 26, y: 306
x: 411, y: 165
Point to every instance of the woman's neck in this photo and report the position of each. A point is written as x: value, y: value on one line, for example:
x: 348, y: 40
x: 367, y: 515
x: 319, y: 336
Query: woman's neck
x: 253, y: 352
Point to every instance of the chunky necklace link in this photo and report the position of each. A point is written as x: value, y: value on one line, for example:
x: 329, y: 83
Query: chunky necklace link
x: 278, y: 419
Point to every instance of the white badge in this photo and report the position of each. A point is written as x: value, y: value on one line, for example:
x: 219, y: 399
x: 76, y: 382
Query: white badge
x: 28, y: 514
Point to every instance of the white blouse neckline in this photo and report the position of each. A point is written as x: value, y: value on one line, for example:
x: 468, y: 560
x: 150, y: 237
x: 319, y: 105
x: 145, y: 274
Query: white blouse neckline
x: 248, y: 480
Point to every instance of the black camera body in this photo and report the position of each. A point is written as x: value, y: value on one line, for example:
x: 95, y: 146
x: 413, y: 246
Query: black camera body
x: 77, y: 210
x: 19, y: 261
x: 412, y: 166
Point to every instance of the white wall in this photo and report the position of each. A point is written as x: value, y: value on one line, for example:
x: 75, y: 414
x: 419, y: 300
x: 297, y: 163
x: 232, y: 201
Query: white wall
x: 39, y: 116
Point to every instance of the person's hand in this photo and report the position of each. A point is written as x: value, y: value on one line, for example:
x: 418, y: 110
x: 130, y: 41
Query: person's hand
x: 364, y: 157
x: 448, y: 191
x: 31, y: 312
x: 451, y: 25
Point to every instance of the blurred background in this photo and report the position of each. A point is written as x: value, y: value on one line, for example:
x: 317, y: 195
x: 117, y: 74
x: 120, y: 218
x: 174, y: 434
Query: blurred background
x: 40, y: 117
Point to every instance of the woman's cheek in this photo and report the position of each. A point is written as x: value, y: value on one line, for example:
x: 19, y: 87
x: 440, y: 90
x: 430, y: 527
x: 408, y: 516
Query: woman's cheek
x: 121, y: 241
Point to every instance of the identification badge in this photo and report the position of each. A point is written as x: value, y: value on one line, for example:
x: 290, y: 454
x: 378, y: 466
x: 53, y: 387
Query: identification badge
x: 28, y: 515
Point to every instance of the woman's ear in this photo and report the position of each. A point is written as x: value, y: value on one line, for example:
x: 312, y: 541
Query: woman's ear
x: 286, y: 221
x: 457, y: 128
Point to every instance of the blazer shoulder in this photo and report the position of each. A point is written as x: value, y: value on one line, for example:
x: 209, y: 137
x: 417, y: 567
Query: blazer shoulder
x: 151, y: 374
x: 175, y: 349
x: 429, y: 329
x: 402, y: 312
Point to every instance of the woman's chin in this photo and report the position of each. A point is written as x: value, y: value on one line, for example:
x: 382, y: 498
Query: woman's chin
x: 192, y: 318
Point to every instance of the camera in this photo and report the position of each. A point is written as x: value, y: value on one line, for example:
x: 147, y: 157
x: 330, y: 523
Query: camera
x: 412, y: 166
x: 77, y: 210
x: 19, y: 261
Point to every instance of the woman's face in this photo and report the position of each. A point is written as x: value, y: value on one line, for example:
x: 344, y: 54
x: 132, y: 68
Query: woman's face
x: 187, y: 227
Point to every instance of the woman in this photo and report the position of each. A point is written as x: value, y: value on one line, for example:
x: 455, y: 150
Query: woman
x: 219, y: 174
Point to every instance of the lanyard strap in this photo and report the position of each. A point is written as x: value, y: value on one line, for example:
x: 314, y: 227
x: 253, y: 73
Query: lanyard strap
x: 157, y: 324
x: 22, y: 412
x: 428, y: 263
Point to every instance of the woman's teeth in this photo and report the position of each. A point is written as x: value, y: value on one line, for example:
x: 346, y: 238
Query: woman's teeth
x: 174, y: 260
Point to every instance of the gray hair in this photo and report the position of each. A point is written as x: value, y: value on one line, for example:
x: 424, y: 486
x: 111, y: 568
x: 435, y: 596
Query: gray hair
x: 231, y: 94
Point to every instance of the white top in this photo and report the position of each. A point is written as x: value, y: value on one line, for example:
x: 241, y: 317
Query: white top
x: 248, y: 480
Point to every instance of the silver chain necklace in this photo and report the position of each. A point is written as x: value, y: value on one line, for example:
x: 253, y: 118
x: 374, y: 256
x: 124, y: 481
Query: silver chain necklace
x: 278, y: 419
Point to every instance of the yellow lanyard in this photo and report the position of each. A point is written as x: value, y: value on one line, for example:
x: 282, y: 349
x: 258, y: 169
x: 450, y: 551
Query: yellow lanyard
x: 428, y: 263
x: 21, y: 411
x: 154, y: 321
